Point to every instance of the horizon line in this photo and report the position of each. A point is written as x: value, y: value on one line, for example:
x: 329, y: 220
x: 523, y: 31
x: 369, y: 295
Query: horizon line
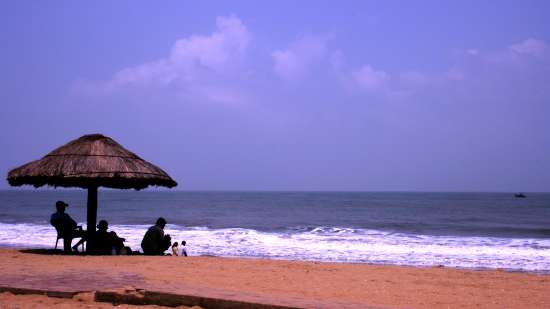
x: 271, y: 191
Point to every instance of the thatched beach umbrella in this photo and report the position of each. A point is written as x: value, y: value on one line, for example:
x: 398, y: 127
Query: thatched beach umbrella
x: 90, y: 162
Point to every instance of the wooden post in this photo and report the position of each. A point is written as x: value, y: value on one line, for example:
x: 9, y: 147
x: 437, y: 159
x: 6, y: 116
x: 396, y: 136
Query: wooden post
x: 92, y: 218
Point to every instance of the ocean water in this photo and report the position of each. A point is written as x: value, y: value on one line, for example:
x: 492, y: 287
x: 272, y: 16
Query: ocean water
x: 469, y: 230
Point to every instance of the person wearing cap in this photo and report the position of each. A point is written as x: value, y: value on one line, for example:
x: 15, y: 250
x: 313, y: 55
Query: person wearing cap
x: 154, y: 241
x: 66, y: 227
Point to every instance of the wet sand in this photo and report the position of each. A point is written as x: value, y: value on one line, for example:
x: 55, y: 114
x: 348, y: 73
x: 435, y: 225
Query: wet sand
x: 281, y: 282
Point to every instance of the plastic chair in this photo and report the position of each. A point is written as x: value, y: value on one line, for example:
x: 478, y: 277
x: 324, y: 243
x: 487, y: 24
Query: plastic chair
x: 60, y: 237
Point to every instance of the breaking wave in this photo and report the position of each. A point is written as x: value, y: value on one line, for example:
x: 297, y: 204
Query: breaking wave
x: 327, y: 244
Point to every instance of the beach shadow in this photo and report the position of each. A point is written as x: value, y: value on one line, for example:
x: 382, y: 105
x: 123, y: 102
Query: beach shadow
x: 48, y: 252
x: 61, y: 252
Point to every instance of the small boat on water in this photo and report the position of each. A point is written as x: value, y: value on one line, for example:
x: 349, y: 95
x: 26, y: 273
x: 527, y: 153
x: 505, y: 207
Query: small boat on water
x: 519, y: 195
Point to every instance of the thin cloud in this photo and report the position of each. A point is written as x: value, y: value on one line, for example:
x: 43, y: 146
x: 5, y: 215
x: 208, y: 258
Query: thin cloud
x: 198, y: 67
x: 370, y: 79
x: 530, y: 47
x: 524, y: 65
x: 193, y: 57
x: 297, y: 60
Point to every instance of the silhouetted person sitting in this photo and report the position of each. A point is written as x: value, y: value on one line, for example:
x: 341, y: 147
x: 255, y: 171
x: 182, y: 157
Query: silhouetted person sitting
x: 183, y: 250
x: 66, y: 227
x: 154, y: 241
x: 175, y: 249
x: 107, y: 243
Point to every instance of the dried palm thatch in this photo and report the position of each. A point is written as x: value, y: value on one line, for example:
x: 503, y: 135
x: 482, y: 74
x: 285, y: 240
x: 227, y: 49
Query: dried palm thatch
x: 91, y: 161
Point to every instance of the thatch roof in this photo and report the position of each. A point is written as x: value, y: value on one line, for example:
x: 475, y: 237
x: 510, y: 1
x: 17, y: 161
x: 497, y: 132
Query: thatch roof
x: 92, y: 160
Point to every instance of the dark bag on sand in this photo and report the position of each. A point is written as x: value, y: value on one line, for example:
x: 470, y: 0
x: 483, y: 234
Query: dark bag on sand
x: 125, y: 251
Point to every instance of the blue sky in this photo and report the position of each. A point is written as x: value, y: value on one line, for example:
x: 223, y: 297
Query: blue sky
x: 320, y: 95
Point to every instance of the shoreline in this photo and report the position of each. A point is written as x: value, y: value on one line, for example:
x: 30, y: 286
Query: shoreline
x: 510, y: 270
x: 285, y: 282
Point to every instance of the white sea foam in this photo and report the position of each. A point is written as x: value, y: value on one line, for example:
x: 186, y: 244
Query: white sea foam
x: 327, y: 244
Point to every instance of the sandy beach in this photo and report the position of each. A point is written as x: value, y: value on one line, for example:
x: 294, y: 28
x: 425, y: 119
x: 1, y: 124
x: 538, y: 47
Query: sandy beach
x: 288, y: 283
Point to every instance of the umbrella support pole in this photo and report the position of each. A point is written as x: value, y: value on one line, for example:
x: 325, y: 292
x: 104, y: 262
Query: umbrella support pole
x: 92, y: 218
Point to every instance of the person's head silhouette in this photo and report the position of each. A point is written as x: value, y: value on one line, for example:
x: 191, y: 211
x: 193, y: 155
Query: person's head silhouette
x: 60, y: 206
x: 102, y: 226
x: 161, y: 222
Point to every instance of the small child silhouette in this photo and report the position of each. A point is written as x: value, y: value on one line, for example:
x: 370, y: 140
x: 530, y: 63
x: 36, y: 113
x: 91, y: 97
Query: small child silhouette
x: 175, y: 249
x: 183, y: 250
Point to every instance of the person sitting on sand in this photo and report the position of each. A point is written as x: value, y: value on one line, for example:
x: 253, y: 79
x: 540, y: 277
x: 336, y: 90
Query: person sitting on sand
x: 66, y: 227
x: 154, y: 241
x: 107, y: 243
x: 183, y: 251
x: 175, y: 249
